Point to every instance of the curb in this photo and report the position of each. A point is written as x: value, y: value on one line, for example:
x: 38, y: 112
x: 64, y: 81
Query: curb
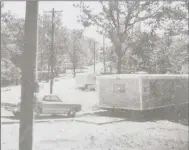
x: 51, y: 120
x: 36, y: 121
x: 111, y: 122
x: 9, y: 122
x: 90, y: 113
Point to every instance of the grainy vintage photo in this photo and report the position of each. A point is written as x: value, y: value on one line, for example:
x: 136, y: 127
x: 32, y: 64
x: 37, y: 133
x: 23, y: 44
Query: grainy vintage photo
x: 94, y: 75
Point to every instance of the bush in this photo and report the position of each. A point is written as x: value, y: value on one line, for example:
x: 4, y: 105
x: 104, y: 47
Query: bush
x: 10, y: 74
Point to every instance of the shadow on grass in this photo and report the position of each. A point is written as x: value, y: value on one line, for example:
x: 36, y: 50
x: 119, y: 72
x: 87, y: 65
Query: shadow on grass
x: 173, y: 114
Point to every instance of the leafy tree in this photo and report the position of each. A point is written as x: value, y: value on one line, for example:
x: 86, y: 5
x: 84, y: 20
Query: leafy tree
x: 9, y: 73
x: 178, y: 54
x: 2, y: 4
x: 44, y: 46
x: 74, y: 47
x: 11, y: 45
x: 89, y: 50
x: 12, y: 37
x: 117, y: 20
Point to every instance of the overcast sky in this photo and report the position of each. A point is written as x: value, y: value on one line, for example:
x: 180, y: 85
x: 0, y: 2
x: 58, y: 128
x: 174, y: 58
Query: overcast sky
x: 69, y: 14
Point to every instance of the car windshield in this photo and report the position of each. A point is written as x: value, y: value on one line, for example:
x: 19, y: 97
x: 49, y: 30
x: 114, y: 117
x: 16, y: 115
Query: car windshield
x: 51, y: 99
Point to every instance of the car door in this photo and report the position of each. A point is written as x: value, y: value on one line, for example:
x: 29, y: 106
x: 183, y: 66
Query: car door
x: 53, y: 105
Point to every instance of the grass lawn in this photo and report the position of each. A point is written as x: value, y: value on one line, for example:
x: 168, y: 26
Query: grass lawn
x: 160, y: 135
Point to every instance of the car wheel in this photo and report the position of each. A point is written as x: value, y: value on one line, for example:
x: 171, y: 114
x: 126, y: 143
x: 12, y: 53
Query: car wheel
x: 54, y: 115
x: 86, y: 87
x: 71, y: 113
x: 82, y: 88
x: 16, y: 114
x: 92, y: 89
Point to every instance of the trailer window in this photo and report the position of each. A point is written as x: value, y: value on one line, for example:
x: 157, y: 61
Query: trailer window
x: 119, y: 88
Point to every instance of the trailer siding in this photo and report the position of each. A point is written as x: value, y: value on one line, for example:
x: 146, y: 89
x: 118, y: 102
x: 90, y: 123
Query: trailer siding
x: 142, y: 92
x: 83, y: 79
x: 127, y: 97
x: 164, y: 91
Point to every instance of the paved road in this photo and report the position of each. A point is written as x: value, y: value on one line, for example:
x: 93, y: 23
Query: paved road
x: 65, y: 88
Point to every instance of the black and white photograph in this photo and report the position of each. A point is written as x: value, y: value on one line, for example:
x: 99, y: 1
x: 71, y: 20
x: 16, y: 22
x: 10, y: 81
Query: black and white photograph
x: 94, y: 75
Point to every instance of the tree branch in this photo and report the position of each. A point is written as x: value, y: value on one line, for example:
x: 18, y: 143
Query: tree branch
x: 127, y: 18
x: 107, y: 16
x: 153, y: 15
x: 125, y: 50
x: 118, y: 24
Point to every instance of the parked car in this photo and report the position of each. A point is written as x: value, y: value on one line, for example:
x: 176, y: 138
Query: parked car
x: 47, y: 104
x: 86, y: 81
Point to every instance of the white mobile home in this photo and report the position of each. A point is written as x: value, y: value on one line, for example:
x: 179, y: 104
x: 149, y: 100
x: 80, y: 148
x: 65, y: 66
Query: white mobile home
x: 142, y: 91
x: 85, y: 81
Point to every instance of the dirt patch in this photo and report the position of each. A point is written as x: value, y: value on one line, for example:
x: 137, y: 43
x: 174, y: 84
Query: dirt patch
x: 177, y: 115
x: 98, y: 120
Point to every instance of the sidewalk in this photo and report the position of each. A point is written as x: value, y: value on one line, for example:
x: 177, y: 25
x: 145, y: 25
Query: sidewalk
x: 81, y: 114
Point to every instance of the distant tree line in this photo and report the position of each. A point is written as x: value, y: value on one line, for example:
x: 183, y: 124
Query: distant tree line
x: 72, y: 49
x: 162, y: 48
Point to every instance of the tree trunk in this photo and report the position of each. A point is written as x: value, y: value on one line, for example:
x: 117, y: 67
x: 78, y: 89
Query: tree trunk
x: 28, y: 77
x: 94, y: 63
x: 16, y: 81
x: 52, y: 77
x: 111, y: 68
x: 74, y: 72
x: 48, y: 71
x: 41, y: 70
x: 74, y: 60
x: 119, y: 60
x: 111, y: 61
x: 104, y: 60
x: 104, y: 65
x: 119, y: 65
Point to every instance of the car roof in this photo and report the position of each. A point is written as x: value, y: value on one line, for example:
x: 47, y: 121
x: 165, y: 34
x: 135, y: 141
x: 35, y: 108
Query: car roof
x: 43, y: 95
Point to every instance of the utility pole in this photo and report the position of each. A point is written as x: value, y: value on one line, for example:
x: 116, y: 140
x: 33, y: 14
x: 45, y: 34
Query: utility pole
x: 52, y: 51
x: 41, y: 67
x: 94, y: 55
x: 52, y: 54
x: 104, y: 58
x: 28, y: 77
